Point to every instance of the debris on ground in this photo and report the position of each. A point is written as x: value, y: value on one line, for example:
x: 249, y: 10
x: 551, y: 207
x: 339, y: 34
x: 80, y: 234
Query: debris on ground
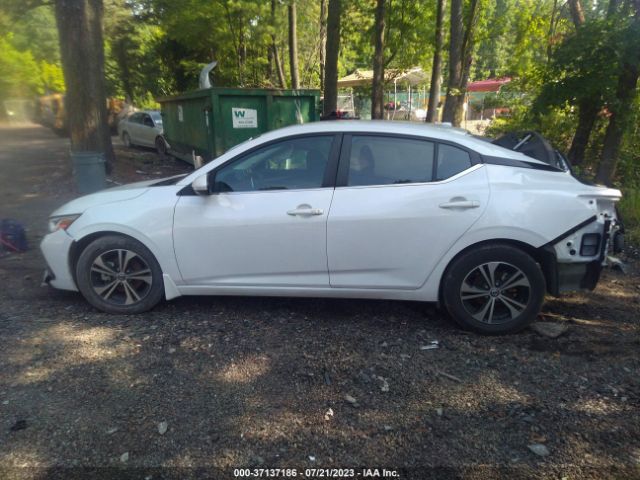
x: 431, y: 346
x: 539, y: 449
x: 19, y: 425
x: 162, y: 428
x: 549, y: 329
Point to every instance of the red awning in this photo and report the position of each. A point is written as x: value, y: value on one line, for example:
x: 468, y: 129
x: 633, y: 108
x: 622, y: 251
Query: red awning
x: 492, y: 85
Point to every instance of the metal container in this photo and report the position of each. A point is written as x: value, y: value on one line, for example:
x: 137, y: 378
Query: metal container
x: 210, y: 121
x: 89, y: 171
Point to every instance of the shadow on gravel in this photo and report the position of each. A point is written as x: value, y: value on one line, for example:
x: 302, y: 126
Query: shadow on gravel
x: 263, y: 382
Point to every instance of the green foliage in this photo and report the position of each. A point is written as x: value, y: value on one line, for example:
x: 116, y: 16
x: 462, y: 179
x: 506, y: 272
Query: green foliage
x: 630, y: 212
x: 29, y: 55
x: 585, y: 65
x: 52, y: 77
x: 20, y: 73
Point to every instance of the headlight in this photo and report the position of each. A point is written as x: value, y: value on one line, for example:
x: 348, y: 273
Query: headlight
x: 61, y: 222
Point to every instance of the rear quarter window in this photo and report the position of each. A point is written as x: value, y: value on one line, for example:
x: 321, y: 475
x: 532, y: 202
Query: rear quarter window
x: 451, y: 161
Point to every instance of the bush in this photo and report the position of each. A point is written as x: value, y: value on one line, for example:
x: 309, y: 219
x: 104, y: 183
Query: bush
x: 630, y: 212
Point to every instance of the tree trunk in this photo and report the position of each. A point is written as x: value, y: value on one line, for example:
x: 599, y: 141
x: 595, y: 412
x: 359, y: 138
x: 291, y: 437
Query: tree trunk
x: 377, y: 88
x: 333, y: 50
x: 577, y: 13
x: 82, y: 50
x: 587, y: 111
x: 293, y: 46
x: 587, y: 114
x: 436, y: 69
x: 460, y: 56
x: 587, y: 107
x: 323, y: 40
x: 625, y: 95
x: 274, y: 48
x: 552, y: 26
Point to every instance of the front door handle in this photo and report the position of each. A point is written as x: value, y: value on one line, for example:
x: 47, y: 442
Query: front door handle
x: 305, y: 211
x: 461, y: 204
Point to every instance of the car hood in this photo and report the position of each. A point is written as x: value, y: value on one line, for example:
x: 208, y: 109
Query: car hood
x: 110, y: 195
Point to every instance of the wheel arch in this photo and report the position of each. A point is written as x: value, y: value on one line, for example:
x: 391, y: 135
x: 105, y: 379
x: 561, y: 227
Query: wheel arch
x: 545, y: 257
x: 78, y: 246
x: 171, y: 290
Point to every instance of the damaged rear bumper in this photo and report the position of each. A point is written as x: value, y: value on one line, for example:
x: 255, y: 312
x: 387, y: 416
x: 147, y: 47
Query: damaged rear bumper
x: 572, y: 270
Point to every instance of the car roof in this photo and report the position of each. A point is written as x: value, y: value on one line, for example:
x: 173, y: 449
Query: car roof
x: 432, y: 131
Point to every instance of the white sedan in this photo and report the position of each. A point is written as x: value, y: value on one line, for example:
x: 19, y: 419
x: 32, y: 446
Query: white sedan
x: 383, y: 210
x: 144, y: 129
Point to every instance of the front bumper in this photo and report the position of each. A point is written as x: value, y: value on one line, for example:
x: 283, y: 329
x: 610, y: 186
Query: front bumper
x: 56, y: 247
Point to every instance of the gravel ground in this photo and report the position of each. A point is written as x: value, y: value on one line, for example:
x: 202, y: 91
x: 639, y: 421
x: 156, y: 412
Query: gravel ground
x: 201, y: 386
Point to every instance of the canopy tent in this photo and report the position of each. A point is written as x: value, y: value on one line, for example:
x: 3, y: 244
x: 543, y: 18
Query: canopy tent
x: 491, y: 85
x: 413, y: 76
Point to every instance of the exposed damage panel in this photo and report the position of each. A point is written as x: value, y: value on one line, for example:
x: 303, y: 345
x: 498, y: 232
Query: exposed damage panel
x: 535, y: 146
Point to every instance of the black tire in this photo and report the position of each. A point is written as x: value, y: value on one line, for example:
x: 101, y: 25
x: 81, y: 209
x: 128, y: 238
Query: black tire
x: 126, y: 139
x: 100, y: 280
x: 477, y: 305
x: 161, y: 146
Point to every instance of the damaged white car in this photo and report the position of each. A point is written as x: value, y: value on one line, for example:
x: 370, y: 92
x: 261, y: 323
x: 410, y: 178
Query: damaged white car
x: 380, y: 210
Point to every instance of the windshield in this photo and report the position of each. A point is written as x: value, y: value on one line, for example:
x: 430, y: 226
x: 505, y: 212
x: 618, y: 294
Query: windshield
x: 157, y: 118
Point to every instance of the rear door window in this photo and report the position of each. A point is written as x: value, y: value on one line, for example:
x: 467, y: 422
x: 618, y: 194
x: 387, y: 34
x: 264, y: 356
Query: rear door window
x: 381, y: 160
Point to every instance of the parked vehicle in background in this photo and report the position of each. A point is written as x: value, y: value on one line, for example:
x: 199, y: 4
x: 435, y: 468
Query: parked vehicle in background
x: 384, y: 210
x: 143, y: 128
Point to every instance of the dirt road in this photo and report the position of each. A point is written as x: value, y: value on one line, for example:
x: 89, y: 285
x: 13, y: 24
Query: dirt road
x: 201, y: 386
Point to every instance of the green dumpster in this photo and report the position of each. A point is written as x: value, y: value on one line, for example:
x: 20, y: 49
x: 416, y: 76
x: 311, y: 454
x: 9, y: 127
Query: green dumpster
x: 210, y: 121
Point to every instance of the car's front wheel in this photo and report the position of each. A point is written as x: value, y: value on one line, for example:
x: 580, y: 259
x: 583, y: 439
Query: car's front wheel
x: 118, y: 274
x: 494, y: 289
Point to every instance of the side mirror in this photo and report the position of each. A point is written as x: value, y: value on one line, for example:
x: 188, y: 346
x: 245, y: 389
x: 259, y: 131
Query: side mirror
x: 201, y: 185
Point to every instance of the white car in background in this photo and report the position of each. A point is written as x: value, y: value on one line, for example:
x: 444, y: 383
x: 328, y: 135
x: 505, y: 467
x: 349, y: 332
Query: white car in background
x: 381, y: 210
x: 143, y: 128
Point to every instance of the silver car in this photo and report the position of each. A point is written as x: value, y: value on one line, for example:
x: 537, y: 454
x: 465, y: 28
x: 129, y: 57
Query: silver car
x: 143, y: 128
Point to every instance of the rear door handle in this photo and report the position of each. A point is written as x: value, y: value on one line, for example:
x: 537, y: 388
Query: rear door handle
x: 305, y: 211
x: 461, y: 204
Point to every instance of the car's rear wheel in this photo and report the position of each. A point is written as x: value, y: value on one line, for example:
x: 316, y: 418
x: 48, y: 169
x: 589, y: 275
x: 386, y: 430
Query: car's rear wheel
x: 126, y: 139
x: 161, y: 146
x: 494, y: 289
x: 118, y: 274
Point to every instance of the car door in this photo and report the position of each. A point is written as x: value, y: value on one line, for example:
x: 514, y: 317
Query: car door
x: 265, y: 223
x: 147, y: 131
x: 133, y: 127
x: 400, y: 203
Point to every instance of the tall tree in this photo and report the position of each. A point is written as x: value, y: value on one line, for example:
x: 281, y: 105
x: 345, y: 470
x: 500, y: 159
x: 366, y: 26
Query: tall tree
x: 625, y: 95
x: 293, y: 45
x: 587, y: 107
x: 82, y: 51
x: 323, y: 40
x: 274, y: 48
x: 377, y: 88
x: 333, y: 50
x: 460, y: 56
x: 436, y: 68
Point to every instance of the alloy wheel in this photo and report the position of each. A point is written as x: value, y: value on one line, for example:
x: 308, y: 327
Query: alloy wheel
x: 121, y: 277
x: 495, y: 292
